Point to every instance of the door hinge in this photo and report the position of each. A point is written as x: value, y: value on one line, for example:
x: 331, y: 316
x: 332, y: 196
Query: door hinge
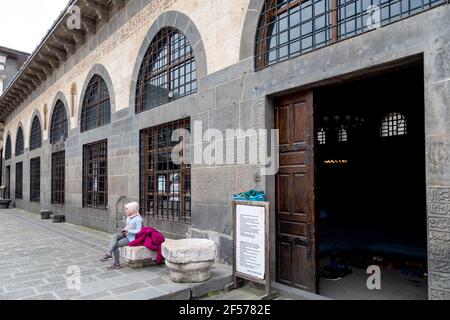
x: 301, y: 242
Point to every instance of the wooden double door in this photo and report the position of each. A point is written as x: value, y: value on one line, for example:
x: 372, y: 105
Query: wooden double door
x: 295, y: 205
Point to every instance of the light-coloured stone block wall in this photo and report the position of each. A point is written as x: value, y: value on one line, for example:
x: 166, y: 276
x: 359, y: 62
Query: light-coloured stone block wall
x: 220, y: 24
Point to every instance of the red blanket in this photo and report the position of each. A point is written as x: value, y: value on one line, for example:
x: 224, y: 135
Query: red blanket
x: 152, y: 240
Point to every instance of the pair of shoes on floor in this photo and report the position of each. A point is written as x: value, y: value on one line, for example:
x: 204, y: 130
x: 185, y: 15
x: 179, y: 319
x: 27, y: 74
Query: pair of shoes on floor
x: 336, y: 271
x: 107, y: 258
x: 335, y: 274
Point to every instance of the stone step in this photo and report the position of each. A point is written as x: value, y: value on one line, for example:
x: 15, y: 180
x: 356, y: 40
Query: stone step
x: 221, y: 277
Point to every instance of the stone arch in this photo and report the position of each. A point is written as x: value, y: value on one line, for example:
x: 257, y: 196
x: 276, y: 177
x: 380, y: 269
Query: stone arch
x: 37, y: 114
x: 100, y: 70
x: 188, y: 28
x: 249, y: 32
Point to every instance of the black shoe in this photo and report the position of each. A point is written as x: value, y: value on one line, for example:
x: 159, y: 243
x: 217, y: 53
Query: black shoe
x: 106, y: 258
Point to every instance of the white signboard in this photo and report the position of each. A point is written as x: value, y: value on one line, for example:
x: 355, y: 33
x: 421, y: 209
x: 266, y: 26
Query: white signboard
x: 250, y: 240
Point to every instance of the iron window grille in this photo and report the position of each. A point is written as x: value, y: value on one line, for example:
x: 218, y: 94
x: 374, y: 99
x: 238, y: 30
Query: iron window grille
x: 36, y: 135
x: 165, y: 187
x: 19, y: 180
x: 96, y: 110
x: 8, y: 182
x: 8, y: 148
x: 19, y: 143
x: 342, y: 135
x: 35, y: 180
x: 58, y: 177
x: 59, y: 125
x: 322, y: 136
x: 168, y: 71
x: 95, y: 175
x: 394, y: 124
x: 289, y: 28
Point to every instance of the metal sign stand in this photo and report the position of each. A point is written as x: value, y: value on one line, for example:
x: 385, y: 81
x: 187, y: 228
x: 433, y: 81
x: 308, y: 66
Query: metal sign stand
x: 238, y: 277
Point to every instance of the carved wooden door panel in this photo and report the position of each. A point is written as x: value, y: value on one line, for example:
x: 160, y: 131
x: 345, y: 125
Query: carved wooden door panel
x: 295, y: 209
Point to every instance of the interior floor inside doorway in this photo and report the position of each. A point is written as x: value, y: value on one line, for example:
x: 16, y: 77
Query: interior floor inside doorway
x: 401, y: 279
x: 371, y: 185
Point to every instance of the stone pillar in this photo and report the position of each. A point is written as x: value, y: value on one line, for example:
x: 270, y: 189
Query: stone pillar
x: 437, y: 131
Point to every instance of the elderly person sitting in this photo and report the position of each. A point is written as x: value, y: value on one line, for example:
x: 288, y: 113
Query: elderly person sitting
x: 134, y: 225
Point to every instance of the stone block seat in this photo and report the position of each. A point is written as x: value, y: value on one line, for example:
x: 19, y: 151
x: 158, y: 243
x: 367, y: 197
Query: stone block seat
x: 190, y: 260
x: 138, y: 257
x: 46, y: 215
x: 4, y: 203
x: 59, y: 218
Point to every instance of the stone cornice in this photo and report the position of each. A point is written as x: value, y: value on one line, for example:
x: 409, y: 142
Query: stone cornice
x: 56, y: 48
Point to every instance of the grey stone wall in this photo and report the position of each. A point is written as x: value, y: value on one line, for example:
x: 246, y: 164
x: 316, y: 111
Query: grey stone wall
x: 425, y: 38
x: 437, y: 96
x: 10, y: 71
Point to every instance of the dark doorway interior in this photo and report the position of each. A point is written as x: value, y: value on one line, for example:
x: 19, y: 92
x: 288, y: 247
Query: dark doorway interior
x: 370, y: 185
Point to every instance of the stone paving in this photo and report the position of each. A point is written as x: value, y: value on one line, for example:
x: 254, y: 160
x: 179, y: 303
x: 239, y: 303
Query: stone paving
x: 35, y: 257
x: 247, y: 293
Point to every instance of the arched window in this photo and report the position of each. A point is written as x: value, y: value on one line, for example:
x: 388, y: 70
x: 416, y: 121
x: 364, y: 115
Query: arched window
x: 288, y: 28
x: 291, y: 27
x: 342, y: 135
x: 59, y: 125
x: 393, y: 124
x: 168, y: 71
x: 8, y: 148
x: 96, y: 108
x: 36, y: 134
x: 19, y: 142
x: 322, y: 136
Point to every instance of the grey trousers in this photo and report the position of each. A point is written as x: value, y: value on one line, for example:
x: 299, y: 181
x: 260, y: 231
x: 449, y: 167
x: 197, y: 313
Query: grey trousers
x: 118, y: 241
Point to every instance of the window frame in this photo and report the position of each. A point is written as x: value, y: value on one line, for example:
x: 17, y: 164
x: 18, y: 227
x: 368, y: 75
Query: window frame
x: 166, y: 193
x: 35, y: 180
x: 36, y: 134
x: 8, y: 148
x: 173, y: 62
x: 59, y: 123
x: 343, y: 135
x: 18, y: 190
x: 58, y: 178
x: 99, y: 106
x: 95, y: 153
x: 392, y: 126
x: 20, y: 143
x: 8, y: 185
x: 338, y: 15
x: 322, y: 137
